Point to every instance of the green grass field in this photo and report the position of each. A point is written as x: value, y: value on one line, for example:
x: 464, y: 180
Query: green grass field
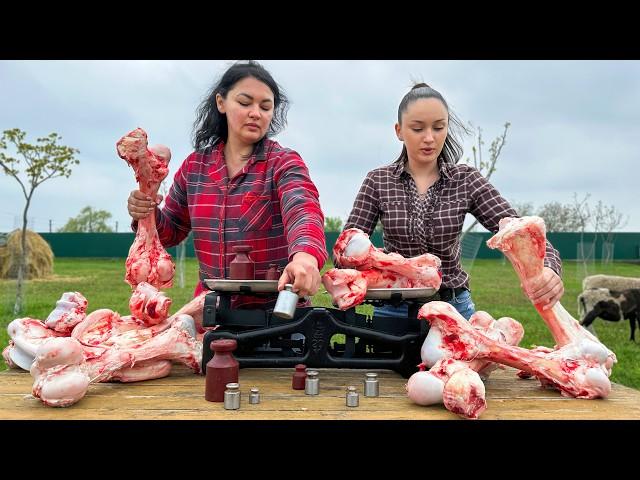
x: 494, y: 284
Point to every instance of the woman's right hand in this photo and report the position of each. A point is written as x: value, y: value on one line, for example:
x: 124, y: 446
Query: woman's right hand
x: 140, y: 205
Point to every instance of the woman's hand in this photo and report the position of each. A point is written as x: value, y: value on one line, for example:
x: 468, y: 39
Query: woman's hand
x: 303, y: 273
x: 140, y: 205
x: 546, y: 289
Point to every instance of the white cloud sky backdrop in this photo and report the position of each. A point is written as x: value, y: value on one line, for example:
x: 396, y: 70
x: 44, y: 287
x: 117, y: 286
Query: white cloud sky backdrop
x: 574, y: 125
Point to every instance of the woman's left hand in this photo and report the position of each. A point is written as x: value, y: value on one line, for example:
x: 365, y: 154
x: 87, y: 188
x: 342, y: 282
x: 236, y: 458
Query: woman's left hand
x: 302, y: 272
x: 547, y: 289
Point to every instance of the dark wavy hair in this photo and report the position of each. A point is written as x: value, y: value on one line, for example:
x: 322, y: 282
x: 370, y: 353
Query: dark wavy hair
x: 211, y: 126
x: 452, y: 150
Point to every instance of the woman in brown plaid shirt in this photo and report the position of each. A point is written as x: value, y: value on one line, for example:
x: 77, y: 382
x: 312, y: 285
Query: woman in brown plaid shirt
x: 423, y: 197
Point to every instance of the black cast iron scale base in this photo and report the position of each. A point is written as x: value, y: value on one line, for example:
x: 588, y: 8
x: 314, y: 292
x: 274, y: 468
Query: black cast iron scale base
x: 265, y: 340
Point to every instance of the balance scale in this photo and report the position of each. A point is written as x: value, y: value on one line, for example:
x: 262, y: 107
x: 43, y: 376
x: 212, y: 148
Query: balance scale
x: 265, y: 340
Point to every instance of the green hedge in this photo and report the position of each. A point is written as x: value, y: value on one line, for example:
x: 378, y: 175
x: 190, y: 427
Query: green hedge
x: 116, y: 245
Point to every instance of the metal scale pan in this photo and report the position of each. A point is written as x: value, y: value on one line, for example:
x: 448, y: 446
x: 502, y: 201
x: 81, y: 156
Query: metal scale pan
x: 255, y: 286
x: 399, y: 293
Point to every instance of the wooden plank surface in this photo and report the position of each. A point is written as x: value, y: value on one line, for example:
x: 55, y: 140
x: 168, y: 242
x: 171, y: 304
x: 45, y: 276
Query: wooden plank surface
x: 181, y: 396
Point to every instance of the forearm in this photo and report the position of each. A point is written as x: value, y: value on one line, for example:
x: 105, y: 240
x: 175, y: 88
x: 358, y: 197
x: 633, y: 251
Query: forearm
x: 305, y: 235
x: 300, y: 208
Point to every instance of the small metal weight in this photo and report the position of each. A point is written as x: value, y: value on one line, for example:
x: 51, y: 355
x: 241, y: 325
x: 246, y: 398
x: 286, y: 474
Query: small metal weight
x: 286, y: 303
x: 371, y: 386
x: 232, y: 397
x: 352, y: 397
x: 254, y: 396
x: 312, y: 383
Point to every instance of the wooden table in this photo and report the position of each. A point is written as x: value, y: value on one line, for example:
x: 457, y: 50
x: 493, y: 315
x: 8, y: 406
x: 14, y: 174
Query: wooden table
x: 181, y: 396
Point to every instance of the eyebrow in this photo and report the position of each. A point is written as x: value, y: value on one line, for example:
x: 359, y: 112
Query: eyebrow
x: 422, y: 123
x: 251, y: 98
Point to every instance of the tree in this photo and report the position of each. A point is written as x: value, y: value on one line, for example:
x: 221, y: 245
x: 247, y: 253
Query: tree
x: 607, y: 219
x: 486, y: 168
x: 559, y: 218
x: 89, y: 220
x: 42, y: 161
x: 581, y: 212
x: 523, y: 209
x: 332, y: 224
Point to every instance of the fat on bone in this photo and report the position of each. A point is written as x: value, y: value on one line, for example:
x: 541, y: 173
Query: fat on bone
x: 423, y: 270
x: 147, y: 261
x: 62, y: 371
x: 576, y: 369
x: 364, y: 267
x: 70, y: 310
x: 464, y: 394
x: 523, y: 241
x: 149, y: 304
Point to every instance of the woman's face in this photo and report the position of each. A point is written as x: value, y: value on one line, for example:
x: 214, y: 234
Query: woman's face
x: 424, y: 130
x: 249, y: 109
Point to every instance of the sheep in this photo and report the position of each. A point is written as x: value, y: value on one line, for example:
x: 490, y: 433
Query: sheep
x: 611, y: 305
x: 610, y: 282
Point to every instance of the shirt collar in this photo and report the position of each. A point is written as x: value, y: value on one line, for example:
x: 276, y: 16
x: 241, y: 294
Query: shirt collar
x: 218, y: 152
x: 445, y: 169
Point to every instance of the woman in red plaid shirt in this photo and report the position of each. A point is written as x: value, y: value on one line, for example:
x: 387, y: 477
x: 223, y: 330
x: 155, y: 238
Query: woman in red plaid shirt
x: 423, y: 197
x: 240, y: 188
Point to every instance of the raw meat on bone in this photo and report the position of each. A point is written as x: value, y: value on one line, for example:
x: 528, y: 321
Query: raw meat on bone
x: 62, y: 373
x: 27, y: 334
x: 104, y: 346
x: 353, y: 249
x: 149, y: 304
x: 523, y: 241
x: 457, y: 383
x: 576, y: 369
x: 59, y: 379
x: 579, y: 365
x: 70, y: 310
x: 148, y: 261
x: 364, y: 266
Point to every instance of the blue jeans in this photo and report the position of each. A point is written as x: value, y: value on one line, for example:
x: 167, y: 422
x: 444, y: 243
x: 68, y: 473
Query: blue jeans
x: 462, y: 303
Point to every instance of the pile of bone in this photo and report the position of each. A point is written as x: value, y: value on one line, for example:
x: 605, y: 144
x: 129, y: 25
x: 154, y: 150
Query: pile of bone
x: 70, y: 349
x: 461, y: 353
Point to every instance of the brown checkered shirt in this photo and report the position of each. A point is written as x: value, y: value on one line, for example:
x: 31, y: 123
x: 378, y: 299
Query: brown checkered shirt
x: 414, y: 224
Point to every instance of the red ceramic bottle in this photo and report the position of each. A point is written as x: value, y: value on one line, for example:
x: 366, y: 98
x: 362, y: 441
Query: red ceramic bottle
x: 242, y: 267
x: 272, y: 273
x: 299, y: 376
x: 221, y: 369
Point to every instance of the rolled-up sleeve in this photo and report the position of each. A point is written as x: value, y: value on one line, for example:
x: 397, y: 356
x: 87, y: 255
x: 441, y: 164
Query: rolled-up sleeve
x: 489, y: 207
x: 300, y: 208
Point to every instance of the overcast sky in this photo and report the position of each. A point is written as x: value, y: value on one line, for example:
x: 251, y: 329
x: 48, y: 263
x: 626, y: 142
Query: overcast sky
x: 574, y: 125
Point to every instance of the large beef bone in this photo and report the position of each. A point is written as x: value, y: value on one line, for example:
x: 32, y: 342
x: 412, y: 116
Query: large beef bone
x: 147, y: 260
x: 576, y: 369
x: 363, y: 267
x: 62, y: 375
x: 456, y: 383
x: 523, y: 242
x: 353, y: 249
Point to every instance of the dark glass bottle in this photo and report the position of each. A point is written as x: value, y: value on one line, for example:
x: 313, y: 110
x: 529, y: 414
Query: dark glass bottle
x: 242, y: 267
x: 221, y: 369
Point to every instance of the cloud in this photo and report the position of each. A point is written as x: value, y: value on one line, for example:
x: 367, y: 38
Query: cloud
x: 572, y: 123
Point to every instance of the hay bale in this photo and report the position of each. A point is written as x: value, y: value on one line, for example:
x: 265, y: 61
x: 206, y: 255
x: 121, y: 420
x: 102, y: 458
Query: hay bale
x: 39, y: 256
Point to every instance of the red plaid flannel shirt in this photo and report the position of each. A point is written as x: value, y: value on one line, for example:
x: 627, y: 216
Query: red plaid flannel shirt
x: 461, y: 189
x: 271, y: 204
